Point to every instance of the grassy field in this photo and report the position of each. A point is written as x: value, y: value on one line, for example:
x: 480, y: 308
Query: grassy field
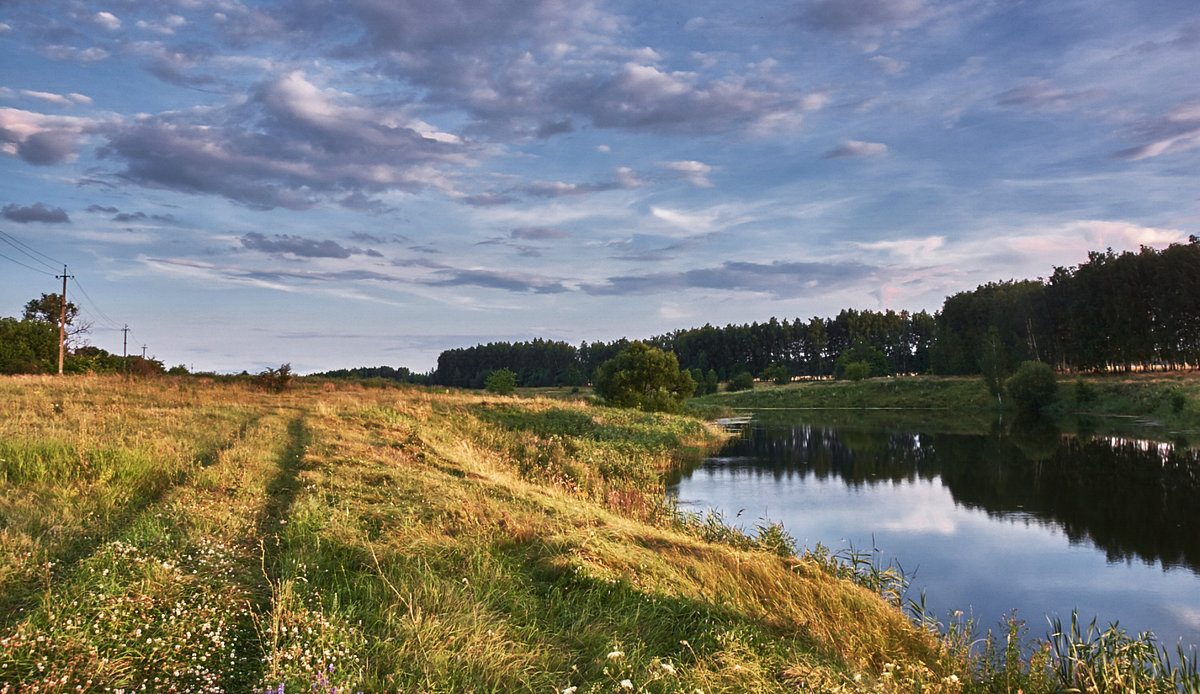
x: 188, y: 535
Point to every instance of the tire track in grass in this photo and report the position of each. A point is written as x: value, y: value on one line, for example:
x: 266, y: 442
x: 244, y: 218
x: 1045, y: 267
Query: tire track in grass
x: 281, y: 495
x: 17, y: 598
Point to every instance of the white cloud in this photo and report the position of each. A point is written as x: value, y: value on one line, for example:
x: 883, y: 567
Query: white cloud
x: 107, y: 20
x: 694, y: 172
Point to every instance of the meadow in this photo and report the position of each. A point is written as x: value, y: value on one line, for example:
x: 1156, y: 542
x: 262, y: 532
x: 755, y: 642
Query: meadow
x: 198, y: 535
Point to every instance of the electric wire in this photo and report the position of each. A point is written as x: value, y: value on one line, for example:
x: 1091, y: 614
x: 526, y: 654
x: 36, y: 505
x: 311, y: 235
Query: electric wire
x: 28, y: 250
x: 27, y: 267
x: 103, y: 316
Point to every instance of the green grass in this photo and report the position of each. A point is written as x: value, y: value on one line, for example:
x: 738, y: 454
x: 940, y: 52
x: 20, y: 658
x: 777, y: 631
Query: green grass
x: 1171, y: 401
x: 193, y: 535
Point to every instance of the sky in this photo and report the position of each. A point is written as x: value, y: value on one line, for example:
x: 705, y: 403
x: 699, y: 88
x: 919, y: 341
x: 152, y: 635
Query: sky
x: 339, y: 183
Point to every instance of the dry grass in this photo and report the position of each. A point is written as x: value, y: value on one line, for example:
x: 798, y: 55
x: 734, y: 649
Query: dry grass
x: 190, y: 535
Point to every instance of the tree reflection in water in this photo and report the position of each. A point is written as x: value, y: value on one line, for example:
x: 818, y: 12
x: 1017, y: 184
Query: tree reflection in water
x: 1130, y: 498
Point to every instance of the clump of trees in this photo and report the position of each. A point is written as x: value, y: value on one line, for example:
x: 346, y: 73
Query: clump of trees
x: 29, y: 344
x: 645, y: 378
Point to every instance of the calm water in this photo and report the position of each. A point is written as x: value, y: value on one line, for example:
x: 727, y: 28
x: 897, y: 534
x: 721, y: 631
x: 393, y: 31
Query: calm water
x: 1022, y: 518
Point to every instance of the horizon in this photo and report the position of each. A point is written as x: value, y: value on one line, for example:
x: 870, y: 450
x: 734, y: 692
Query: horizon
x: 246, y: 184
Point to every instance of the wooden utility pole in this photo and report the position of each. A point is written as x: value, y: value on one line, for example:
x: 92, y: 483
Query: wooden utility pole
x: 62, y: 322
x: 125, y: 349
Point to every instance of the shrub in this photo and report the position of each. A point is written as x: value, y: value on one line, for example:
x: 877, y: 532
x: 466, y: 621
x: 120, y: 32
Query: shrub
x: 856, y: 371
x: 274, y: 380
x: 877, y: 363
x: 1085, y: 392
x: 501, y: 382
x: 1178, y: 399
x: 777, y: 373
x: 743, y: 381
x: 1032, y: 387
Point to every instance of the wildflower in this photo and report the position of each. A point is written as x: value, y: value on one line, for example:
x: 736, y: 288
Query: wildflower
x: 616, y: 654
x: 570, y: 690
x: 626, y: 684
x: 669, y: 668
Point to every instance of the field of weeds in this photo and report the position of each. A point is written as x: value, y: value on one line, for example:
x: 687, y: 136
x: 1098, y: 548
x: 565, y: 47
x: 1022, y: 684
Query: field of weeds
x: 197, y: 536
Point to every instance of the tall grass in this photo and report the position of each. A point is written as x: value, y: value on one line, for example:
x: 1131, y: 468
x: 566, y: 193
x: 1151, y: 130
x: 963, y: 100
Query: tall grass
x: 221, y: 538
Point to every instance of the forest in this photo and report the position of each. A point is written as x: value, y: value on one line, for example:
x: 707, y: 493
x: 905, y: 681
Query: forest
x: 1114, y: 312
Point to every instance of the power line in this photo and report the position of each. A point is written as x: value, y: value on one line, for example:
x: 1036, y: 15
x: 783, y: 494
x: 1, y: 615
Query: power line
x: 19, y: 241
x: 28, y: 251
x: 103, y: 316
x: 27, y: 267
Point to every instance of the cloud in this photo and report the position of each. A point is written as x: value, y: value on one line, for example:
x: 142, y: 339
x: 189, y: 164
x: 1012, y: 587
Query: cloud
x: 127, y: 217
x: 298, y: 246
x: 783, y: 280
x: 642, y: 97
x: 539, y: 233
x: 1042, y: 95
x: 888, y: 66
x: 1178, y: 131
x: 495, y: 279
x: 36, y: 212
x: 67, y: 100
x: 865, y: 16
x: 857, y: 149
x: 307, y: 144
x: 107, y: 21
x: 693, y: 171
x: 40, y: 139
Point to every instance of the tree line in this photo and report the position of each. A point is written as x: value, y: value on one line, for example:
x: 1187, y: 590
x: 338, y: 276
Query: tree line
x: 1127, y: 311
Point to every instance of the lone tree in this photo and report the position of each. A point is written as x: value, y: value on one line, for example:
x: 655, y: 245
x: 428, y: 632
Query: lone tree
x: 1032, y: 387
x: 501, y: 382
x: 645, y: 378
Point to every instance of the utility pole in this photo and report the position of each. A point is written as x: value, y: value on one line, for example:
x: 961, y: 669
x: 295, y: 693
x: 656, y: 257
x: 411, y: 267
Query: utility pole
x: 62, y: 323
x: 125, y: 349
x: 143, y: 352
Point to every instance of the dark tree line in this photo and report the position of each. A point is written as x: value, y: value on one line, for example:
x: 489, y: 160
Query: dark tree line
x: 1113, y: 312
x: 536, y: 363
x: 387, y: 373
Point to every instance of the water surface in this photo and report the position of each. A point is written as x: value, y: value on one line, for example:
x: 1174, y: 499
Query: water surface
x: 1021, y: 518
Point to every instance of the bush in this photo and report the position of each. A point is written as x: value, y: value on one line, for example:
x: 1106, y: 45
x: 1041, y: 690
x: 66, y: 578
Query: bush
x: 501, y: 382
x: 275, y: 380
x: 856, y: 371
x: 743, y: 381
x: 1085, y: 392
x: 877, y: 363
x: 1178, y: 399
x: 778, y: 374
x: 1032, y: 387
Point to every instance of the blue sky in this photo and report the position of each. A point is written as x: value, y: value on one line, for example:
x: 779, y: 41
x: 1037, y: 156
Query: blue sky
x: 335, y: 183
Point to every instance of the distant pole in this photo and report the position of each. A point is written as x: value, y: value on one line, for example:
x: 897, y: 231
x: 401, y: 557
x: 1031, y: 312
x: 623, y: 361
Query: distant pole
x: 143, y: 352
x: 125, y: 349
x: 62, y: 322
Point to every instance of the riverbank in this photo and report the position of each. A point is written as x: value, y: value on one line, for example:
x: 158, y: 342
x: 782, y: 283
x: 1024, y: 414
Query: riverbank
x: 1170, y: 401
x: 204, y: 536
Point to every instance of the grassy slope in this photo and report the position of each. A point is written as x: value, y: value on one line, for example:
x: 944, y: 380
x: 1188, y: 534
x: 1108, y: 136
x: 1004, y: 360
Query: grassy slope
x: 196, y: 536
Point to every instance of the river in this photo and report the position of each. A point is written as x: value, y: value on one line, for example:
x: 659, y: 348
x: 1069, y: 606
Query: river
x: 1020, y: 516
